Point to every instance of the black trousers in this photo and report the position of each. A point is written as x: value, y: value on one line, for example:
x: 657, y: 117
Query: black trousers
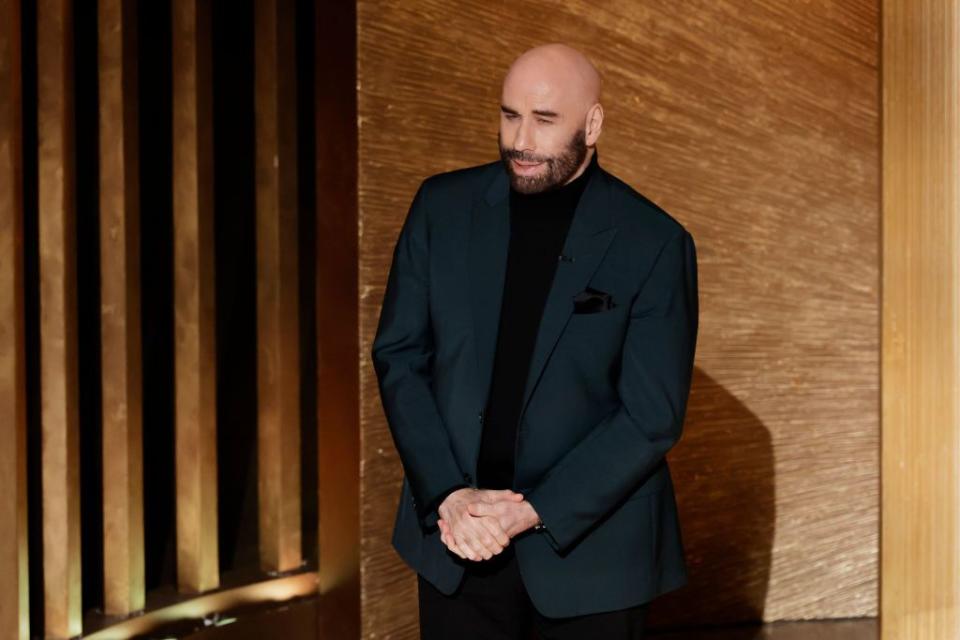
x: 492, y: 604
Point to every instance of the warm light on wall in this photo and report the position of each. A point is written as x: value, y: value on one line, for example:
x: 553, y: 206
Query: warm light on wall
x: 212, y: 604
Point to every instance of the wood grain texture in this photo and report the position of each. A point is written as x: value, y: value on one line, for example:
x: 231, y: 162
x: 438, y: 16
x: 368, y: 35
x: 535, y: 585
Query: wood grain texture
x: 59, y: 407
x: 921, y: 320
x: 121, y: 359
x: 14, y: 569
x: 194, y: 298
x: 755, y: 125
x: 278, y: 346
x: 337, y: 319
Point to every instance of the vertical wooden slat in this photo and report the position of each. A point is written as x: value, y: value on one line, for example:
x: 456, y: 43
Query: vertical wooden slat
x: 278, y: 357
x: 120, y: 310
x: 58, y: 319
x: 14, y: 573
x: 194, y: 330
x: 338, y: 303
x: 920, y: 536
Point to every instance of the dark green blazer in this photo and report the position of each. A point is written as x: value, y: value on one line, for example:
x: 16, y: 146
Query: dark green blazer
x: 604, y: 400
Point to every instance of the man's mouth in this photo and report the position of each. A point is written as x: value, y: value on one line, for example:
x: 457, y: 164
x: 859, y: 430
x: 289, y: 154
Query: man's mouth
x: 525, y: 167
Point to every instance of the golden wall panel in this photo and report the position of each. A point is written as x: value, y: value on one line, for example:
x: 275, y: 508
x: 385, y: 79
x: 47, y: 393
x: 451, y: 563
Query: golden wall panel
x: 278, y: 355
x: 337, y: 296
x: 921, y: 320
x: 754, y: 124
x: 121, y: 358
x: 58, y: 320
x: 194, y: 298
x: 14, y: 584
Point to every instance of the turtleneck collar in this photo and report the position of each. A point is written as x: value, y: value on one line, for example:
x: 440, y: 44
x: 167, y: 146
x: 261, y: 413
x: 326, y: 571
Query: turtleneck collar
x: 572, y: 189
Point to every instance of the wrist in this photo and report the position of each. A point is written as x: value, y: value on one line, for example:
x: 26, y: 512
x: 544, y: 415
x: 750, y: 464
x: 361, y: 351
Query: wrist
x: 535, y: 519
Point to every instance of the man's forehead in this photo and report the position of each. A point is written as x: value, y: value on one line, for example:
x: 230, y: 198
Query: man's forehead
x: 537, y: 94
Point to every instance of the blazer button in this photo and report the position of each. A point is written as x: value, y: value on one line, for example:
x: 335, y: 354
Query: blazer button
x: 468, y: 477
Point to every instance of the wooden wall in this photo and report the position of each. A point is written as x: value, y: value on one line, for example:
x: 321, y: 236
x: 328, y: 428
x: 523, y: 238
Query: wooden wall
x: 756, y: 125
x: 158, y: 347
x: 920, y: 555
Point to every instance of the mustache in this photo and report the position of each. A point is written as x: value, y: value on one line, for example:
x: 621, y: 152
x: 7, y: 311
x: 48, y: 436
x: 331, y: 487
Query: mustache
x: 510, y: 154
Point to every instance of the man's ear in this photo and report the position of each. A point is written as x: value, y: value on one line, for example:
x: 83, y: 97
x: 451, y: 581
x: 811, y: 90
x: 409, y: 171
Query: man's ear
x: 594, y: 124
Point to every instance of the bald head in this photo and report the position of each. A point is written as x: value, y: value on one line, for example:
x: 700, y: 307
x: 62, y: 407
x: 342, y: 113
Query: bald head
x: 555, y: 71
x: 550, y: 117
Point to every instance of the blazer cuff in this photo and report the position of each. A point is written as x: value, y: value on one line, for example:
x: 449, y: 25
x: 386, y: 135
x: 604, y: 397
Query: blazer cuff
x: 544, y: 527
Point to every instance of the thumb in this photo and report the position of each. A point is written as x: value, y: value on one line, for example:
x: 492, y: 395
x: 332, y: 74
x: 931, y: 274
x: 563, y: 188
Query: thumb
x: 477, y: 508
x: 504, y: 494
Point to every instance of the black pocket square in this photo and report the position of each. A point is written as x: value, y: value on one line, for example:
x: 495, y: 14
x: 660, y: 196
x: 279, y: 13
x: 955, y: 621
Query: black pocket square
x: 592, y: 301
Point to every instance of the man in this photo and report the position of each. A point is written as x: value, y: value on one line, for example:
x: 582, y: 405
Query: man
x: 534, y: 355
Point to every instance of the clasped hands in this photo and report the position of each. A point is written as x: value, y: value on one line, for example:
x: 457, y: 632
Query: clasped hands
x: 477, y: 524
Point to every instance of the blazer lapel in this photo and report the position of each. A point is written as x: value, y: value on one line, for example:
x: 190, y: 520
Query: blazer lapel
x: 488, y: 246
x: 590, y: 234
x: 591, y: 231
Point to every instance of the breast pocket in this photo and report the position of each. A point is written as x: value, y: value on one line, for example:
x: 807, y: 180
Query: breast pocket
x: 598, y: 322
x: 602, y: 306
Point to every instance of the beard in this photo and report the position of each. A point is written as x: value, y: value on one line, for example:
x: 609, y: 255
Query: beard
x: 557, y: 171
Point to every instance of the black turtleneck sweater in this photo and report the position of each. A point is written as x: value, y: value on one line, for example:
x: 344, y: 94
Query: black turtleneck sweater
x: 538, y: 228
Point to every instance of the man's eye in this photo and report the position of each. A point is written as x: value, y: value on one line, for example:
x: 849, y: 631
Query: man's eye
x: 514, y: 116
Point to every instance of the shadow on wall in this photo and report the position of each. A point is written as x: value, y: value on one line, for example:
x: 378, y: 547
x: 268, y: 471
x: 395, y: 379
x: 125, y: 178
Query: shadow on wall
x: 723, y: 473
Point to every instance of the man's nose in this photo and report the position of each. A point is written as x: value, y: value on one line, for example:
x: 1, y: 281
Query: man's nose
x: 524, y: 139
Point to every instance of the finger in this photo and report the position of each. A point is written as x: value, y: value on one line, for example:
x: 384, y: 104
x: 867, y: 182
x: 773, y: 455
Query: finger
x: 478, y: 509
x: 446, y: 537
x: 480, y: 552
x: 464, y: 545
x: 493, y: 527
x: 474, y: 548
x: 483, y: 541
x: 495, y: 495
x: 453, y: 546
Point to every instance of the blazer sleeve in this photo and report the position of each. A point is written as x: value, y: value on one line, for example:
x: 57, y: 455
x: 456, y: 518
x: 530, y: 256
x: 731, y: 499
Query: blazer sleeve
x: 656, y: 368
x: 402, y: 355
